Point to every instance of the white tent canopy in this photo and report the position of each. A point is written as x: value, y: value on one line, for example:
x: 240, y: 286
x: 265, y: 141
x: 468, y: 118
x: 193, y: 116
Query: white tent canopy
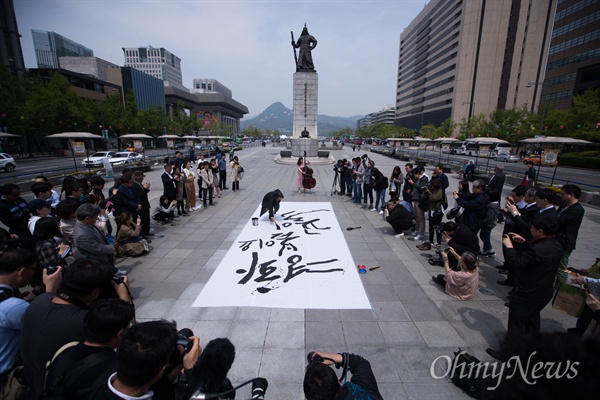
x: 136, y: 136
x: 487, y: 140
x: 74, y: 135
x: 555, y: 139
x: 446, y: 139
x: 169, y: 137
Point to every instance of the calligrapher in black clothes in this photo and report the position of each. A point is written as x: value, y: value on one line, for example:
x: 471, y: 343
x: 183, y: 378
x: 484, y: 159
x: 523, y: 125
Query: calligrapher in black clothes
x: 270, y: 203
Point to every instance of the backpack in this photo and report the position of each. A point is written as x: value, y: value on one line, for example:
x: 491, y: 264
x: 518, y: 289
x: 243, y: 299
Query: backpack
x: 66, y: 372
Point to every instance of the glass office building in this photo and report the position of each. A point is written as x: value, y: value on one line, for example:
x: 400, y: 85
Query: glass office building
x: 50, y: 46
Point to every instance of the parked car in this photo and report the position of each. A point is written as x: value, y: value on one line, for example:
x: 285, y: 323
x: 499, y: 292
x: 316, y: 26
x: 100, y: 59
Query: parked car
x: 506, y: 157
x: 7, y: 162
x: 95, y: 160
x: 125, y: 157
x: 535, y: 159
x: 209, y: 150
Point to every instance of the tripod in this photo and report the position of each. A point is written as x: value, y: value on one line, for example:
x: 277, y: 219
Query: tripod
x: 334, y: 185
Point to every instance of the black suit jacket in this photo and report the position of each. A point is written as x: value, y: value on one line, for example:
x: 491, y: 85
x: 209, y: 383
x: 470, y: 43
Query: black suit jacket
x: 522, y: 223
x: 569, y: 221
x: 169, y: 186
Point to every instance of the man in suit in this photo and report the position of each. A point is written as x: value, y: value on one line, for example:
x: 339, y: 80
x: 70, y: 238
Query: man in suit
x: 89, y: 242
x: 496, y: 183
x: 520, y: 219
x: 169, y: 185
x: 544, y: 199
x: 536, y: 262
x: 142, y: 189
x: 128, y: 197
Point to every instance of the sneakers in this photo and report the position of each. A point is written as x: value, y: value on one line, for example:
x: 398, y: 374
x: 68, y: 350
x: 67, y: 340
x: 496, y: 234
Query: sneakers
x: 490, y: 253
x: 381, y: 213
x: 399, y: 235
x: 373, y: 209
x: 419, y: 236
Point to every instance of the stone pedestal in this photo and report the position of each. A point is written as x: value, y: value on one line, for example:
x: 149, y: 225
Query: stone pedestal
x: 306, y: 110
x: 310, y: 145
x: 305, y: 113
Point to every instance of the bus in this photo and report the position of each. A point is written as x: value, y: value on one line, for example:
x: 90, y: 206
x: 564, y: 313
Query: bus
x: 468, y: 149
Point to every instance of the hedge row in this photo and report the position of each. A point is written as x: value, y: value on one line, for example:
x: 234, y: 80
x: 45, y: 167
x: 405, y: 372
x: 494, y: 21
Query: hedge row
x: 585, y: 159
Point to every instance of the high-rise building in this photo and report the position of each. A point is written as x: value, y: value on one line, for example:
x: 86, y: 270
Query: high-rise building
x: 50, y: 46
x: 574, y: 54
x: 11, y: 53
x: 461, y: 58
x: 210, y: 85
x: 158, y: 62
x: 385, y: 116
x: 149, y: 91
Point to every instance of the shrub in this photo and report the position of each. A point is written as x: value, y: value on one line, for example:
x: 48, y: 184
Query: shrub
x: 585, y: 159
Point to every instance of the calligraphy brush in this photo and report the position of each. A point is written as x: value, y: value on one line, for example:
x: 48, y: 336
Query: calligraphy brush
x: 276, y: 225
x: 352, y: 228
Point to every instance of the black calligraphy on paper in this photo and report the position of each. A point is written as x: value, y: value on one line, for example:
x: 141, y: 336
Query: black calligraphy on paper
x: 272, y: 274
x: 293, y: 217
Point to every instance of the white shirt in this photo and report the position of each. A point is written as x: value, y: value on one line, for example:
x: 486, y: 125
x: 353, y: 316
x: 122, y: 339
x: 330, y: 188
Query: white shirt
x: 147, y: 396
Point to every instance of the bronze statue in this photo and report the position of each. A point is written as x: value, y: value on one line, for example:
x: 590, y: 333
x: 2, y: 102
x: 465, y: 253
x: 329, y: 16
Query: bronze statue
x: 306, y: 43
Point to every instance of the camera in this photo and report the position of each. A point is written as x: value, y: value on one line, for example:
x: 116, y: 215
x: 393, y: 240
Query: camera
x: 439, y: 252
x: 259, y: 388
x: 50, y: 269
x: 183, y: 339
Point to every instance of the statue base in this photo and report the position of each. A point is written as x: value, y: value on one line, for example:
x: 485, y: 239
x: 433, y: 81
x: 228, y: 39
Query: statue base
x: 308, y: 145
x: 306, y: 100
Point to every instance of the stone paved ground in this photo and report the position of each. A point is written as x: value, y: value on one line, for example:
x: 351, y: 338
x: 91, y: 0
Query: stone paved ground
x: 412, y: 321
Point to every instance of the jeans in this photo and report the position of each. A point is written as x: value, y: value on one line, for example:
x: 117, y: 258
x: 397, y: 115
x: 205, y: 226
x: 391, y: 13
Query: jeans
x: 222, y: 179
x: 342, y: 179
x: 207, y: 192
x: 357, y: 193
x: 349, y: 184
x: 380, y: 197
x: 485, y: 235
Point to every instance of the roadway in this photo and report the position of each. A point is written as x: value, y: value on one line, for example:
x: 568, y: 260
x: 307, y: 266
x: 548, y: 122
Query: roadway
x: 28, y: 168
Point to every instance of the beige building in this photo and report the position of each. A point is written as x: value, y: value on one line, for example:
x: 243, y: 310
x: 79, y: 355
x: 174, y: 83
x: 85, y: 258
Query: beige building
x: 460, y: 58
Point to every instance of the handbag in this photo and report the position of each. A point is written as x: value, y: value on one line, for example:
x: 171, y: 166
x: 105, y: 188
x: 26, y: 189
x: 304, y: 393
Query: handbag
x: 468, y: 381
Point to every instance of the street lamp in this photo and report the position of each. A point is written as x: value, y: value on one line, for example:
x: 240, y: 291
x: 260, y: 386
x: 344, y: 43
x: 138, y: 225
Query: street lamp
x: 531, y: 84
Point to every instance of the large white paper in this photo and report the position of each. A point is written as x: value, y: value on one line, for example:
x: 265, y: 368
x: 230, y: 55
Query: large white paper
x: 305, y: 264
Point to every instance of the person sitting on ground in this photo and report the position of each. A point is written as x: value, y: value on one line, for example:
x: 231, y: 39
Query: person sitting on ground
x: 164, y: 211
x: 13, y: 210
x: 461, y: 284
x: 270, y: 203
x: 143, y: 356
x: 55, y: 197
x: 54, y: 319
x: 38, y: 208
x: 66, y: 210
x: 17, y: 268
x: 129, y: 241
x: 80, y: 370
x: 321, y: 382
x: 88, y: 241
x: 398, y: 217
x: 469, y: 170
x: 47, y: 248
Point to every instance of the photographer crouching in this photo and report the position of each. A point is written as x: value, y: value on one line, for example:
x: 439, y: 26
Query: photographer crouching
x: 398, y: 217
x: 321, y: 382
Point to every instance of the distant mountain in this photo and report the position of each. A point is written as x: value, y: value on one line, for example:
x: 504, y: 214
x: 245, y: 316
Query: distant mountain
x: 278, y: 117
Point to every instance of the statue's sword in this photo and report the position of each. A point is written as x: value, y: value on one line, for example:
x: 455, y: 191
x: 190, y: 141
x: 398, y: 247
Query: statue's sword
x: 294, y: 48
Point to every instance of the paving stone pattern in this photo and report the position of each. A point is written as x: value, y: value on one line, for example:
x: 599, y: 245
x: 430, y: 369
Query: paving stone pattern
x: 412, y: 321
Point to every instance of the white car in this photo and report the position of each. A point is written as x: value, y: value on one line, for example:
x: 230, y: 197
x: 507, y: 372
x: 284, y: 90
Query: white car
x: 125, y: 157
x: 506, y: 157
x: 7, y: 162
x: 95, y: 160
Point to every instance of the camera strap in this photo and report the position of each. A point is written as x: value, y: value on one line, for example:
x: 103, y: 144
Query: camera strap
x: 71, y: 299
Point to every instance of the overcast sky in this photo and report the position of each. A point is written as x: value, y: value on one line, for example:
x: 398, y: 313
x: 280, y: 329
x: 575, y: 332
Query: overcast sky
x: 245, y: 45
